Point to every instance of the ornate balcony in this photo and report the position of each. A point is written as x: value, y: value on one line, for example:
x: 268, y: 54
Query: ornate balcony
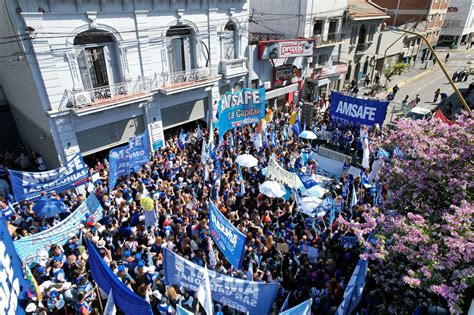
x: 234, y: 67
x: 329, y: 40
x: 90, y: 100
x: 175, y: 82
x: 114, y: 94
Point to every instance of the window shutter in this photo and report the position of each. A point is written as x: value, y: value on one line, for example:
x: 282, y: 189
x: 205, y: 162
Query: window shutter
x: 84, y: 70
x: 228, y: 45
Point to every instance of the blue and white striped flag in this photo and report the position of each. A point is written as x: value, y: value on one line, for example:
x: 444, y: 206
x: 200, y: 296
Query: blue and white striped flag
x: 353, y: 199
x: 250, y: 271
x: 212, y: 257
x: 398, y: 153
x: 204, y: 293
x: 383, y: 154
x: 284, y: 306
x: 199, y: 132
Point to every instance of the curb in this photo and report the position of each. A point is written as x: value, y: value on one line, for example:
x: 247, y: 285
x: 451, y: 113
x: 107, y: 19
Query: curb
x: 406, y: 81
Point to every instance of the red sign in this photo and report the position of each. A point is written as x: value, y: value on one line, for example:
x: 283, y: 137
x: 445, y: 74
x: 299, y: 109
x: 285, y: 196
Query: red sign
x: 285, y: 48
x: 328, y: 71
x: 285, y: 74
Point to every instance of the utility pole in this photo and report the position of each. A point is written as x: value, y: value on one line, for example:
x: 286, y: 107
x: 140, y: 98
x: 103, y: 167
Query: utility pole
x: 446, y: 74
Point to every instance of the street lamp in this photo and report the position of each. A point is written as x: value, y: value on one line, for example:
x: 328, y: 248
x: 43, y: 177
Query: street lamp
x: 458, y: 93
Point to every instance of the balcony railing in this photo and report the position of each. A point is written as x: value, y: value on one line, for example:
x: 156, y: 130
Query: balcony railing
x: 331, y: 38
x: 134, y: 89
x: 233, y: 67
x: 170, y: 81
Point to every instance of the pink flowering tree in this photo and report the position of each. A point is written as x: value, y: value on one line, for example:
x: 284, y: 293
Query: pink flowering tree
x: 425, y: 249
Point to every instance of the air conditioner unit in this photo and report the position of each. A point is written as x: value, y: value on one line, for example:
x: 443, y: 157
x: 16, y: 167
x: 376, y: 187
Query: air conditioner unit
x: 267, y: 85
x: 82, y: 98
x: 317, y: 39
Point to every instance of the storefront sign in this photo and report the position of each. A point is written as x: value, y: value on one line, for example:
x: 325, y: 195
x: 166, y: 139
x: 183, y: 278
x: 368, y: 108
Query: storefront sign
x: 285, y: 73
x: 285, y: 48
x: 328, y: 71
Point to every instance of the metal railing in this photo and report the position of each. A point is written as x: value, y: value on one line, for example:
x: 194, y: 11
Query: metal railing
x: 330, y: 38
x: 114, y: 93
x: 174, y: 80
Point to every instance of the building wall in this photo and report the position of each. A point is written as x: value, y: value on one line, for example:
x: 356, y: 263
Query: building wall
x: 460, y: 19
x: 138, y: 28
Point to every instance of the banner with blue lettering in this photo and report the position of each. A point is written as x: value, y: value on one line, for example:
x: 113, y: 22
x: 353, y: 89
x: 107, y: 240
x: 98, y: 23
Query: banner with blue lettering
x: 28, y: 247
x: 244, y: 107
x: 13, y: 286
x: 241, y: 295
x: 355, y: 110
x: 119, y: 164
x: 139, y: 151
x: 228, y: 238
x: 300, y: 309
x: 29, y: 185
x: 124, y: 298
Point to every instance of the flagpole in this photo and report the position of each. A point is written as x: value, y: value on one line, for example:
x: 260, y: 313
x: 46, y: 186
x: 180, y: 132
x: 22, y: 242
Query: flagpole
x: 100, y: 299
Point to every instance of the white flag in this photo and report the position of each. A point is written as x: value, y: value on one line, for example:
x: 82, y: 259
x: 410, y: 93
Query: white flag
x: 110, y: 306
x: 204, y: 293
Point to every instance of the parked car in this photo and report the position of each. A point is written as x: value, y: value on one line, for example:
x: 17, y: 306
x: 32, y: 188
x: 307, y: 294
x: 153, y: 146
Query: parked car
x: 420, y: 113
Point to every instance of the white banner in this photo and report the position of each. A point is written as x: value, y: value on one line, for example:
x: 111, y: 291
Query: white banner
x: 280, y: 175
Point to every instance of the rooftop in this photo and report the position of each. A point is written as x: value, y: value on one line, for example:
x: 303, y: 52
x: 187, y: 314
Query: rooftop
x: 365, y: 10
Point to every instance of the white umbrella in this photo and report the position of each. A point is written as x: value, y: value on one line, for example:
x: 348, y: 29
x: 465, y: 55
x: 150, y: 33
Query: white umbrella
x: 246, y: 160
x: 316, y: 191
x: 309, y: 204
x: 308, y: 134
x: 272, y: 189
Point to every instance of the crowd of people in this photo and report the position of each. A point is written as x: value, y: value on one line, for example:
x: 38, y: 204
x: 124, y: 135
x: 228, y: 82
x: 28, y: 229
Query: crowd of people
x: 180, y: 183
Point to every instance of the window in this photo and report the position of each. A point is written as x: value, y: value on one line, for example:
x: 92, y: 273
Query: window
x: 332, y: 29
x: 229, y: 42
x: 180, y: 41
x: 354, y: 32
x: 362, y: 35
x: 254, y: 84
x: 318, y: 27
x: 372, y: 30
x: 96, y: 58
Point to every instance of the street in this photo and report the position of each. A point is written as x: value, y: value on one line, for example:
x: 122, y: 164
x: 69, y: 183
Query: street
x: 425, y: 82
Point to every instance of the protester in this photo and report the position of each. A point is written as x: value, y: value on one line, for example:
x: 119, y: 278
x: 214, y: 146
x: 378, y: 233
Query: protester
x: 131, y: 239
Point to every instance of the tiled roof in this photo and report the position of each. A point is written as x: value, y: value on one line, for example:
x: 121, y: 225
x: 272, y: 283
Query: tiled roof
x: 360, y: 9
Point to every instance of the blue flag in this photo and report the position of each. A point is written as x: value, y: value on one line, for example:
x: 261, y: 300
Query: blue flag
x: 300, y: 309
x: 182, y: 139
x: 398, y: 153
x: 182, y: 311
x: 14, y: 285
x: 285, y: 133
x: 227, y: 237
x: 127, y: 300
x: 284, y: 307
x: 382, y: 154
x: 199, y: 132
x: 354, y: 289
x: 273, y: 140
x: 353, y: 199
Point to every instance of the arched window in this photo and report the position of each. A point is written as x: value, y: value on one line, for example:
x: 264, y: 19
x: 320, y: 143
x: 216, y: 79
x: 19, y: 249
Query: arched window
x: 181, y: 48
x: 97, y: 58
x: 230, y: 42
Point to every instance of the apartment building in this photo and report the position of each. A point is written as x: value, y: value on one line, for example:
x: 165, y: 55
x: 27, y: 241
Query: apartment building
x: 85, y: 76
x: 313, y: 25
x: 458, y: 27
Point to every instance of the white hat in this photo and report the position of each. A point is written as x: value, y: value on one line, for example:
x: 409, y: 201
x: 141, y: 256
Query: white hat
x: 30, y: 308
x: 100, y: 244
x: 141, y: 218
x: 151, y: 269
x: 95, y: 239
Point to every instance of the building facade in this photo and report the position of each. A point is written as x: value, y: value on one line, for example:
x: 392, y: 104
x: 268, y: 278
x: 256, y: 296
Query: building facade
x: 362, y: 27
x: 307, y: 75
x: 458, y: 27
x: 424, y: 16
x: 89, y: 75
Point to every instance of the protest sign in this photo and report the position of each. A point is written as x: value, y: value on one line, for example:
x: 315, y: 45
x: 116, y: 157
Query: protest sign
x: 244, y: 107
x: 13, y: 286
x: 227, y: 237
x: 241, y: 295
x: 280, y: 175
x: 29, y: 185
x: 28, y: 247
x: 354, y: 289
x: 355, y: 110
x: 138, y: 151
x: 119, y: 164
x: 126, y: 299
